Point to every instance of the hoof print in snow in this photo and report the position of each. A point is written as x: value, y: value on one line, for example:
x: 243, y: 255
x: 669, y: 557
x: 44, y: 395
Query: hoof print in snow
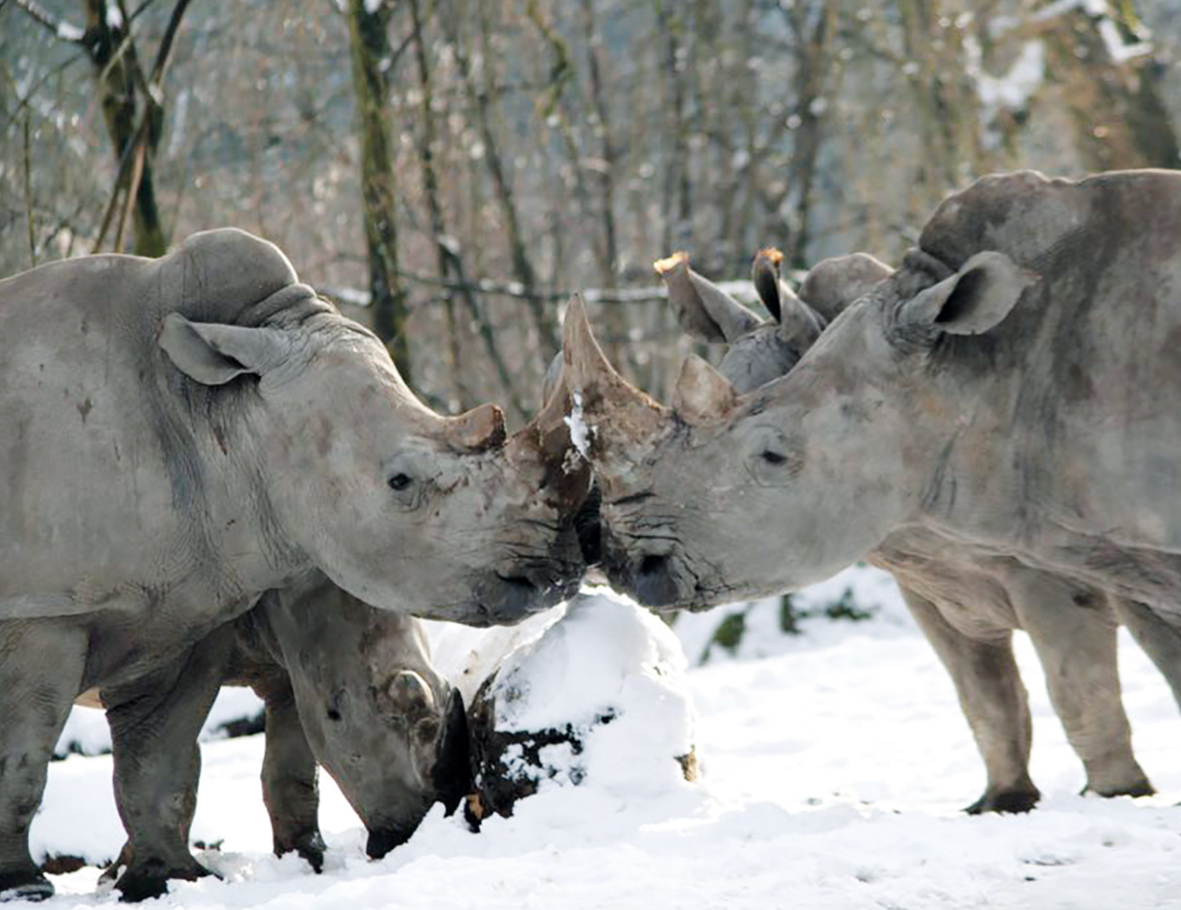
x: 595, y: 696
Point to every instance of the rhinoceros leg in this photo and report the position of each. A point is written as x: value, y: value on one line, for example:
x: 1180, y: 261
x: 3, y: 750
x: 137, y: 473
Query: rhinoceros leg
x: 993, y: 700
x: 1159, y: 635
x: 154, y: 726
x: 41, y: 665
x: 1074, y: 631
x: 289, y: 786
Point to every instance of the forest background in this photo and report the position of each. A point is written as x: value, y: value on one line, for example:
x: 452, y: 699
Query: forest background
x: 450, y: 171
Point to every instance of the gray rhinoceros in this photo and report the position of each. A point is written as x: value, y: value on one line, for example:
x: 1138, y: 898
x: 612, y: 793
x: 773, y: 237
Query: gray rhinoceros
x: 1012, y: 392
x: 345, y: 686
x: 182, y: 435
x: 967, y: 607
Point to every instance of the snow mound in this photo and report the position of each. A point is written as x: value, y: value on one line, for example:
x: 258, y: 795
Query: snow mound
x: 599, y: 695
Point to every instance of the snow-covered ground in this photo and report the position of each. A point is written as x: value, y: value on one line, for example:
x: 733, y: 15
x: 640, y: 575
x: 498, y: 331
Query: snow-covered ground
x: 834, y: 765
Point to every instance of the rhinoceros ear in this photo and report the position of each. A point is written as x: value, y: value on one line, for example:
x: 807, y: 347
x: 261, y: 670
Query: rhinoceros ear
x: 799, y: 324
x: 701, y: 392
x: 703, y: 309
x: 973, y: 300
x: 410, y: 694
x: 764, y: 275
x: 213, y: 353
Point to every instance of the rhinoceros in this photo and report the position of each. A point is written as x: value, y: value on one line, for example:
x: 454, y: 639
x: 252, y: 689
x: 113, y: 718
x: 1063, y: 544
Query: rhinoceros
x: 182, y: 435
x: 966, y: 606
x: 345, y: 686
x: 1012, y: 392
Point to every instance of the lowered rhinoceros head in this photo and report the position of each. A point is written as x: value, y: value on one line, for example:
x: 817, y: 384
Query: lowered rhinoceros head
x: 774, y: 475
x: 388, y: 728
x: 408, y: 510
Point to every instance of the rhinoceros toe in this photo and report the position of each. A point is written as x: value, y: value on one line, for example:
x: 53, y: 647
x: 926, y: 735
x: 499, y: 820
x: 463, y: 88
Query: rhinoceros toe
x: 24, y: 886
x: 311, y: 848
x: 1019, y: 800
x: 151, y: 879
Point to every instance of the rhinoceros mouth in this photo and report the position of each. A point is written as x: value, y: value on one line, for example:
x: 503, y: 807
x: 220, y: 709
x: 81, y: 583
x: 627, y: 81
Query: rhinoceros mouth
x: 656, y: 572
x: 510, y: 594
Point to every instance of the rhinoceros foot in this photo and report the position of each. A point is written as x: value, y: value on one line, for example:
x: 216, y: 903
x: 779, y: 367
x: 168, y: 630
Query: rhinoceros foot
x: 24, y: 885
x: 1136, y: 788
x: 1021, y: 800
x: 150, y: 879
x: 310, y: 847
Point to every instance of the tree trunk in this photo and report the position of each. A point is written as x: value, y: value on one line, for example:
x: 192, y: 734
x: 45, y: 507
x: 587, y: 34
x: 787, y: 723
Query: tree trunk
x: 134, y: 118
x: 480, y: 99
x: 812, y: 67
x: 1119, y: 115
x: 945, y: 101
x: 450, y: 263
x: 615, y: 318
x: 370, y: 51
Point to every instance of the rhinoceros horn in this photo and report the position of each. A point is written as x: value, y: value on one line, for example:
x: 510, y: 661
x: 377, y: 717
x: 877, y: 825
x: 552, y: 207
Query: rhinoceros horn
x: 702, y: 393
x: 478, y: 429
x: 566, y: 476
x: 622, y: 421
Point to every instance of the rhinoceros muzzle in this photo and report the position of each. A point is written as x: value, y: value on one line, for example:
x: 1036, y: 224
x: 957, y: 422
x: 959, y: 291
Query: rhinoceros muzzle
x: 651, y: 575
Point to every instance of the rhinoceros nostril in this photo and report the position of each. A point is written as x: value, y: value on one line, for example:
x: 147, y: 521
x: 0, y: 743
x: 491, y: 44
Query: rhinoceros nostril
x: 653, y: 564
x: 654, y: 582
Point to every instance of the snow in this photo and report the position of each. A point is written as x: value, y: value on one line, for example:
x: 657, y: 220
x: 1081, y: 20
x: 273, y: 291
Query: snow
x: 584, y: 664
x: 1119, y: 50
x: 834, y: 765
x: 86, y: 729
x: 580, y: 431
x: 1012, y: 90
x: 68, y: 32
x: 1060, y: 7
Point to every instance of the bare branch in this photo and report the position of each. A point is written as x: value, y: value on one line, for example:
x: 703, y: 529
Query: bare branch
x: 60, y: 28
x: 166, y: 42
x: 29, y: 193
x: 139, y: 10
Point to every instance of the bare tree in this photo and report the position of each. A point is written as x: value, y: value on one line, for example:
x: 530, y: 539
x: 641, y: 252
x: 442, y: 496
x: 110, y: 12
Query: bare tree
x: 132, y: 102
x: 1110, y: 80
x: 450, y: 262
x: 371, y: 58
x: 480, y: 99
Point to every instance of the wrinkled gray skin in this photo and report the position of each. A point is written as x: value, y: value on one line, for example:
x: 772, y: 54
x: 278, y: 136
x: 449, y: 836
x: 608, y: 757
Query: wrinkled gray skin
x: 184, y: 434
x: 966, y: 606
x: 346, y: 686
x: 1011, y: 392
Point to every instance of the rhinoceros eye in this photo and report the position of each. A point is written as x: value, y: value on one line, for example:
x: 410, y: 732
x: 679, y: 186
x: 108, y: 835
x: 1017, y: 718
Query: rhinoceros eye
x: 775, y: 458
x: 408, y: 478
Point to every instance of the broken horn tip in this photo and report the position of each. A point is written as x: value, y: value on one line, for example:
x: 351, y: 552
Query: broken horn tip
x: 768, y: 257
x: 668, y: 263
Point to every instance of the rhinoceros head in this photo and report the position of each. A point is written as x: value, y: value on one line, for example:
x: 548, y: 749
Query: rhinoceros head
x: 769, y: 475
x: 389, y: 729
x: 406, y: 509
